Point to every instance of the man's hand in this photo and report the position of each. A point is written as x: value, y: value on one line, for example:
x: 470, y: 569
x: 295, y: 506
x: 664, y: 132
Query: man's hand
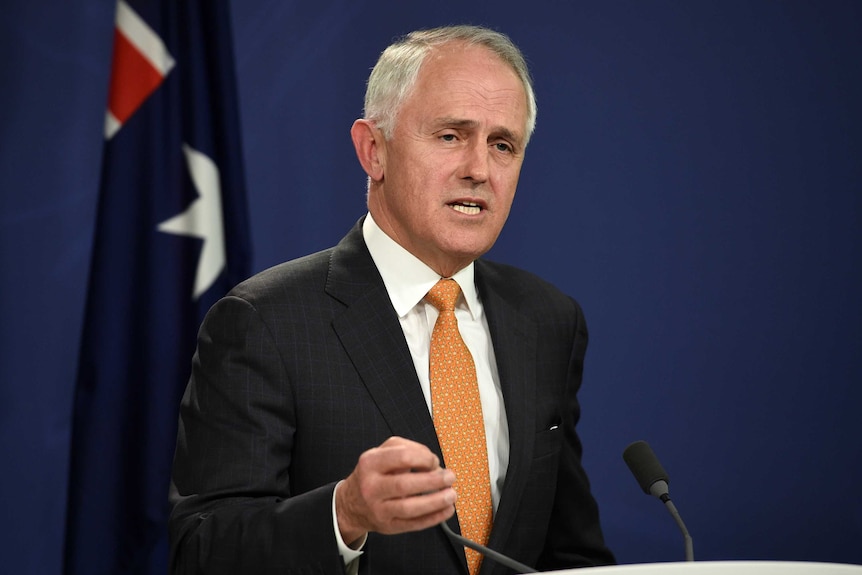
x: 396, y: 487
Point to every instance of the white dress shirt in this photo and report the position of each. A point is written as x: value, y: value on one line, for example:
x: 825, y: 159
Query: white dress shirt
x: 407, y: 280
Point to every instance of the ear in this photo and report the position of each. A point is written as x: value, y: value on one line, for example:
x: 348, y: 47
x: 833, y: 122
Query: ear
x: 370, y: 148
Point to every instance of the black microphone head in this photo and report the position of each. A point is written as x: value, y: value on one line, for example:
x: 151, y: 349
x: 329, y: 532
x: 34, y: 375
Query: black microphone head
x: 644, y: 465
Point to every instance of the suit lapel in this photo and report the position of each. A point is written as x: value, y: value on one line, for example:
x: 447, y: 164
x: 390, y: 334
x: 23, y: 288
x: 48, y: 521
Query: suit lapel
x: 372, y: 336
x: 515, y: 340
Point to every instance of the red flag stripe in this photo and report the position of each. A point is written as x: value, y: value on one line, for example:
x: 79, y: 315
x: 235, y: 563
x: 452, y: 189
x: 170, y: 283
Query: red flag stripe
x: 140, y: 64
x: 133, y: 78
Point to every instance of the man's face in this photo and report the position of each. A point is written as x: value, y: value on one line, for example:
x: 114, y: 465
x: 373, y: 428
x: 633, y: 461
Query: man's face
x: 451, y: 167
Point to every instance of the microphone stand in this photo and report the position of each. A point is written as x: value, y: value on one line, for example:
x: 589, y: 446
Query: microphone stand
x: 487, y: 552
x: 689, y: 545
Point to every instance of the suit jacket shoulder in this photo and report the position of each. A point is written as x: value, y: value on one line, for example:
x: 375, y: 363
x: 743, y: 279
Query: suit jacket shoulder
x: 527, y: 291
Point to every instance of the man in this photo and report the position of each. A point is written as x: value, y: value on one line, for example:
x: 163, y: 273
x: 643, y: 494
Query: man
x: 306, y: 441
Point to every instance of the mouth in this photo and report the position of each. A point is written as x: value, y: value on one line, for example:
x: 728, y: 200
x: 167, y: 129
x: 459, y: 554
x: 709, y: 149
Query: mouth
x: 468, y: 208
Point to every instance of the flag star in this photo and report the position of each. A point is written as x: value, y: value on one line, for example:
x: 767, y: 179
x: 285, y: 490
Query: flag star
x: 202, y: 219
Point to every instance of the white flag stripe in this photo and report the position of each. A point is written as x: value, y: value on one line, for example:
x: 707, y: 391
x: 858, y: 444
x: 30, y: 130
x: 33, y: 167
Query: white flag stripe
x: 112, y: 125
x: 148, y: 43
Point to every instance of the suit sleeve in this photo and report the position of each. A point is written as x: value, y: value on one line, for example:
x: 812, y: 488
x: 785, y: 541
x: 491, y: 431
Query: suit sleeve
x: 574, y: 533
x: 233, y: 507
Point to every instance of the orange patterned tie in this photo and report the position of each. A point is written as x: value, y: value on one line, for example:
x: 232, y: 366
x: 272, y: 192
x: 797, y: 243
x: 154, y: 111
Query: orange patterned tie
x: 458, y: 420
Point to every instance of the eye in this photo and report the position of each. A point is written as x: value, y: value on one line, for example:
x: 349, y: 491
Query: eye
x: 503, y: 147
x: 448, y: 137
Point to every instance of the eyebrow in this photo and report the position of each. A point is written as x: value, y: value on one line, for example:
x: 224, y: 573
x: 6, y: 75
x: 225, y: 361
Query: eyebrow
x: 470, y: 124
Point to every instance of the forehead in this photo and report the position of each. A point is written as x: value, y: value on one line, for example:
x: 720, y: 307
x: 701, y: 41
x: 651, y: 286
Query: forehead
x: 469, y: 82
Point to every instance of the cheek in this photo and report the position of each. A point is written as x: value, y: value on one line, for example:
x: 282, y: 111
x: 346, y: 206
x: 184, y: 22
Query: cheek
x: 506, y: 186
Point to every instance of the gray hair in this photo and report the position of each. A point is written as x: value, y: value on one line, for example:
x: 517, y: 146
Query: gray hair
x: 394, y: 76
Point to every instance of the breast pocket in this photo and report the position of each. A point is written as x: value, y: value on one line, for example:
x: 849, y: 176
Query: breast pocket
x: 548, y: 442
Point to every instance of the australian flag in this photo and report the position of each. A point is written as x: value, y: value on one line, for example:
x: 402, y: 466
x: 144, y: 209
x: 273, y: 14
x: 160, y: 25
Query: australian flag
x: 171, y: 237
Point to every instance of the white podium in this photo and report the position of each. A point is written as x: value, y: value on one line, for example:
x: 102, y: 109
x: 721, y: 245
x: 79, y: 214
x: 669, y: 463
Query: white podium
x: 721, y: 568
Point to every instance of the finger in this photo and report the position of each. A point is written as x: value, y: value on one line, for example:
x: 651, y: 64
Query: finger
x: 397, y: 455
x: 412, y: 452
x: 418, y: 483
x: 425, y: 504
x: 418, y: 512
x: 383, y: 487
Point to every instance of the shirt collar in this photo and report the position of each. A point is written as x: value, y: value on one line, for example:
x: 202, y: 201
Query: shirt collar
x: 406, y: 277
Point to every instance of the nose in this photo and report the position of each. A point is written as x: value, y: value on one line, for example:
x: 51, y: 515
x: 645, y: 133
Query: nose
x: 476, y: 162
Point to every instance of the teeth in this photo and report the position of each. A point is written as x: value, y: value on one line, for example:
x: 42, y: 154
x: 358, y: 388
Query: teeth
x: 467, y: 208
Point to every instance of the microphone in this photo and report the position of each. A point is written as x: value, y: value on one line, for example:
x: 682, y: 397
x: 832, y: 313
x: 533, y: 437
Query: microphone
x: 487, y: 552
x: 653, y: 479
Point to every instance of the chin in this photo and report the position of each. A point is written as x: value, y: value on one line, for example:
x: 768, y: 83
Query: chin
x: 469, y: 251
x: 466, y: 244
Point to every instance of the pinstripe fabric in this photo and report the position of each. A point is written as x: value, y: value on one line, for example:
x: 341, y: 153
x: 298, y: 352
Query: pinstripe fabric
x: 305, y: 366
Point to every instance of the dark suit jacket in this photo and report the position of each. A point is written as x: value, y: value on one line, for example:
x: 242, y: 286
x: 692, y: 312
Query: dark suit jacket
x: 303, y: 367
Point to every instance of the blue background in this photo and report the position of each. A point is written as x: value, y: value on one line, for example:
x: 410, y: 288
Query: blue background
x: 695, y: 181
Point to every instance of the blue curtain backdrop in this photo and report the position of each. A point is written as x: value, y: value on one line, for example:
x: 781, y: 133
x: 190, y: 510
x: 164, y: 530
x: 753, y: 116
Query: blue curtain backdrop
x: 694, y: 180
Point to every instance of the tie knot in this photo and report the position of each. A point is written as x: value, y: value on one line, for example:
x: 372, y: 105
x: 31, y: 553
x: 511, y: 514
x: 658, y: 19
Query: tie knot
x: 444, y: 294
